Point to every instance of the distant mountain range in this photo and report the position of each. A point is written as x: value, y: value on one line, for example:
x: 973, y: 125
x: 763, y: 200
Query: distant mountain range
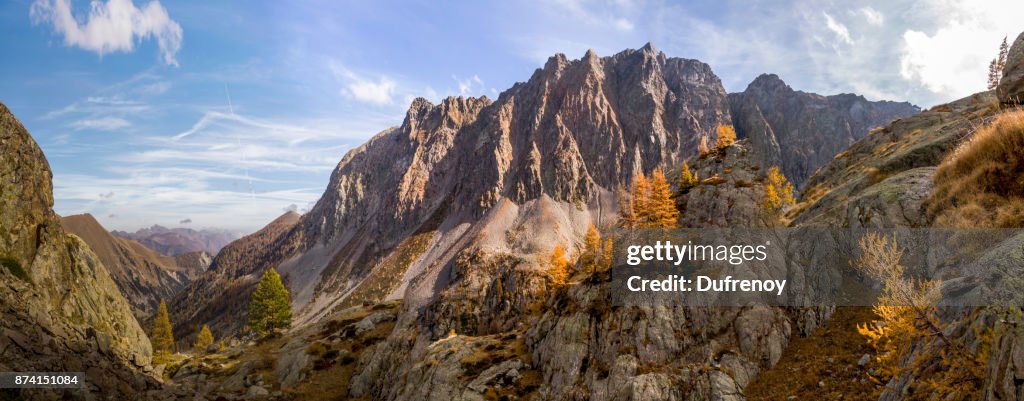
x: 143, y: 275
x: 178, y: 241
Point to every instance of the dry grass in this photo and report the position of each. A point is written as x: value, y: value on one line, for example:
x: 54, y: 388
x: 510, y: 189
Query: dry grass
x: 981, y: 184
x: 828, y: 356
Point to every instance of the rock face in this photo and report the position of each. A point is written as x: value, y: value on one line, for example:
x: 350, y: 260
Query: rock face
x: 179, y: 241
x: 729, y: 190
x: 543, y: 158
x: 143, y: 275
x: 801, y: 131
x: 228, y: 283
x: 1011, y: 86
x: 61, y: 310
x: 883, y: 179
x: 453, y: 210
x: 193, y: 264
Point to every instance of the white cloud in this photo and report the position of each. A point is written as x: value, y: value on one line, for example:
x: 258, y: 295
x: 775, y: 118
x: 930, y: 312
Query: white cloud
x: 101, y: 124
x: 379, y: 92
x: 873, y: 16
x: 470, y: 85
x: 623, y: 24
x: 110, y: 27
x: 952, y: 59
x: 838, y: 28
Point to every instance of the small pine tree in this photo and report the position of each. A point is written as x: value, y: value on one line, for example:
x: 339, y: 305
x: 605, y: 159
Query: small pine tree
x: 203, y: 340
x: 590, y: 258
x: 997, y: 65
x: 162, y: 335
x: 607, y: 257
x: 778, y: 194
x: 627, y: 218
x: 993, y: 74
x: 1004, y: 51
x: 726, y: 136
x: 687, y: 178
x: 660, y: 211
x: 270, y: 308
x: 640, y: 198
x: 558, y: 266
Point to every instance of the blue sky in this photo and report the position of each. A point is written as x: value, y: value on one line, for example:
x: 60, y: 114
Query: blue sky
x: 227, y: 113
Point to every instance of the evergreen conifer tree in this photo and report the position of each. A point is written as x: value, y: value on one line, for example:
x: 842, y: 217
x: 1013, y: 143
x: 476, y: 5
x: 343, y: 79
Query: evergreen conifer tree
x: 162, y: 335
x: 270, y: 308
x: 204, y: 340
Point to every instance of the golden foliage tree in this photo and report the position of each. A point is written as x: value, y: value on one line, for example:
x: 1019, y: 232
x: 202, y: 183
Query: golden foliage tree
x: 270, y: 307
x: 640, y: 198
x: 596, y: 255
x: 162, y: 335
x: 726, y: 136
x: 687, y: 178
x: 661, y: 209
x: 627, y: 217
x: 558, y: 266
x: 907, y: 316
x: 203, y: 340
x: 650, y: 204
x: 607, y: 257
x: 590, y: 256
x: 778, y: 194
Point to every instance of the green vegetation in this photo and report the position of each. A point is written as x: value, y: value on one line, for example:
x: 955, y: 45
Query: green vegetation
x: 162, y: 336
x: 15, y: 268
x: 687, y: 179
x: 271, y: 307
x: 204, y: 340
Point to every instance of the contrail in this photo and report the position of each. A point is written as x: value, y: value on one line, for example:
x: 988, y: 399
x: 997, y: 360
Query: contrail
x: 238, y: 140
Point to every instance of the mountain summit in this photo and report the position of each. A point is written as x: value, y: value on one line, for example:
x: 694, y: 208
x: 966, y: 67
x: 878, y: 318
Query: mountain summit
x: 801, y: 131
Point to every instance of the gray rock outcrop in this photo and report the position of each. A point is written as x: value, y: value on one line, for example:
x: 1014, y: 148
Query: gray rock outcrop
x: 1011, y: 85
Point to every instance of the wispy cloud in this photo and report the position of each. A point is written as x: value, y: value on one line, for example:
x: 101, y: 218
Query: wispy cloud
x: 838, y: 28
x: 101, y: 124
x: 379, y: 91
x: 872, y: 16
x: 469, y: 86
x: 114, y: 26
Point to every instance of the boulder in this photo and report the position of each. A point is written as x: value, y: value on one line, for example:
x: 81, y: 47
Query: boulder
x: 1011, y: 86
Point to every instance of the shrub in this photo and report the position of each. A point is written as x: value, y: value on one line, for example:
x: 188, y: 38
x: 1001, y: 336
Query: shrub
x: 726, y: 136
x: 316, y: 349
x: 15, y: 268
x: 981, y: 184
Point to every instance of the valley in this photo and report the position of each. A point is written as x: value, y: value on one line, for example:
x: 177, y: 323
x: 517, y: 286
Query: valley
x: 466, y: 253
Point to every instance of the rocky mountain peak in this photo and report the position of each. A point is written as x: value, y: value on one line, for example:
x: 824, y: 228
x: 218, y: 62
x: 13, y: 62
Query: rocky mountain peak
x: 801, y: 131
x: 768, y: 83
